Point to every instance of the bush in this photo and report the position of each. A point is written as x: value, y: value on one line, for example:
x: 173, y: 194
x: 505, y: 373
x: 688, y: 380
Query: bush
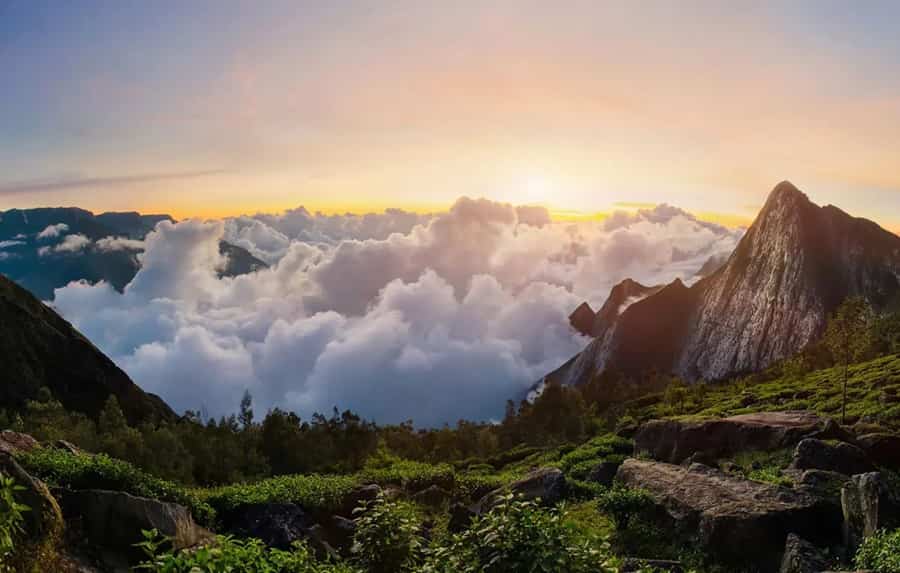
x: 83, y: 471
x: 623, y: 504
x: 313, y: 492
x: 880, y: 553
x: 519, y: 536
x: 387, y: 538
x: 230, y: 555
x: 10, y: 519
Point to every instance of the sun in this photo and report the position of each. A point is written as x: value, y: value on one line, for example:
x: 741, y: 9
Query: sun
x: 536, y: 189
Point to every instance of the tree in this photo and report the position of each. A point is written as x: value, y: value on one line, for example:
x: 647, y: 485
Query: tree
x: 246, y: 415
x: 849, y: 337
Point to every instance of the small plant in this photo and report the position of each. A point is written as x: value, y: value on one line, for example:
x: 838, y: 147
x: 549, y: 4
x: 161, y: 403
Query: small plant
x: 229, y: 555
x: 624, y: 504
x: 10, y: 518
x: 519, y: 536
x: 387, y: 538
x: 880, y: 552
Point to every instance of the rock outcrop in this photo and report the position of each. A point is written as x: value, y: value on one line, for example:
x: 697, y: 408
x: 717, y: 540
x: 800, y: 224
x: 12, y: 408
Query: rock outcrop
x: 39, y: 348
x: 675, y: 441
x: 725, y: 515
x: 841, y: 457
x: 801, y: 556
x: 114, y: 520
x: 868, y: 505
x: 792, y: 268
x: 881, y: 448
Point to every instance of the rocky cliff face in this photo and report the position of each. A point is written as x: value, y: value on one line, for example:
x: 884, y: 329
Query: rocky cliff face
x: 773, y: 296
x: 39, y: 348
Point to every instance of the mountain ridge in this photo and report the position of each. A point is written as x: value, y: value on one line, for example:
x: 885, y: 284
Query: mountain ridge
x: 42, y: 349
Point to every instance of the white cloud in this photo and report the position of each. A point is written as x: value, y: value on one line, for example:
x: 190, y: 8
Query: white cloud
x: 53, y: 231
x: 109, y: 244
x: 7, y: 244
x: 448, y: 319
x: 72, y: 244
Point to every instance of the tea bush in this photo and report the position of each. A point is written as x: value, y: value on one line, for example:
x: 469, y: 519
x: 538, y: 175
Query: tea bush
x: 880, y: 553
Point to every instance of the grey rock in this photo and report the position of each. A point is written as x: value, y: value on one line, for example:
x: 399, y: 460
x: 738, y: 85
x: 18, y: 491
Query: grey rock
x: 604, y: 473
x: 843, y: 458
x: 801, y: 556
x: 45, y: 518
x: 868, y: 505
x: 276, y: 524
x: 725, y: 515
x: 114, y: 520
x: 676, y: 441
x: 881, y: 448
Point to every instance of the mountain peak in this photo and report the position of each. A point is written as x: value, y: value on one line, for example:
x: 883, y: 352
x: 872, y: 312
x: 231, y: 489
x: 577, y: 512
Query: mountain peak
x: 783, y: 194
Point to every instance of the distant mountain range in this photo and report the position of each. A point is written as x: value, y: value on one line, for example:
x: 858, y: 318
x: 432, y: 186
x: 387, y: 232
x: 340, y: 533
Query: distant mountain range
x: 34, y: 251
x: 770, y: 299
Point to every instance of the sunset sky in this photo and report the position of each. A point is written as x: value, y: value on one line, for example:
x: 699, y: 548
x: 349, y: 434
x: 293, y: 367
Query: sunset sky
x: 211, y: 108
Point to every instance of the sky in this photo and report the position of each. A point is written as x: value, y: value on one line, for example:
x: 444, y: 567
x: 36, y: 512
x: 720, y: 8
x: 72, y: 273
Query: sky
x: 212, y: 108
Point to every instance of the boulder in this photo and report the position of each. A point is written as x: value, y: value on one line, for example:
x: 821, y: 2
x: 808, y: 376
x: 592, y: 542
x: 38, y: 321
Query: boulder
x: 546, y: 484
x: 114, y: 520
x: 724, y: 514
x: 12, y: 443
x: 276, y: 524
x: 433, y: 496
x: 675, y: 441
x: 842, y: 458
x: 868, y: 504
x: 67, y: 446
x: 604, y: 473
x: 881, y: 448
x: 801, y: 556
x: 461, y: 516
x: 44, y: 517
x: 359, y: 495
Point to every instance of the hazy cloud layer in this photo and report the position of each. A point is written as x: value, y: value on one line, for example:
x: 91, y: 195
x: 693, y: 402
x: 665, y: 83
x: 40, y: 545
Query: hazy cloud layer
x: 395, y: 315
x: 53, y: 231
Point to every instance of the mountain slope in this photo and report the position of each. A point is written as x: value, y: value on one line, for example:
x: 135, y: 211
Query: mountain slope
x: 773, y: 296
x: 39, y: 348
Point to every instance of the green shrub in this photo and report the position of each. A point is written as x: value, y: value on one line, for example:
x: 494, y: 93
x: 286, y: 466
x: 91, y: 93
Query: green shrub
x: 313, y: 492
x: 229, y: 555
x: 387, y: 538
x: 880, y: 553
x: 83, y: 471
x: 624, y: 504
x: 519, y: 536
x: 10, y: 519
x: 580, y: 490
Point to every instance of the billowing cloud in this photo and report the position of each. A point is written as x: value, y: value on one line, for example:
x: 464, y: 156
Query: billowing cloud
x: 53, y: 231
x: 396, y: 316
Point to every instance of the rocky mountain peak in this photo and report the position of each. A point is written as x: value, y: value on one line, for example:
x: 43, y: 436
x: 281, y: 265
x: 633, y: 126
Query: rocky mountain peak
x: 794, y: 266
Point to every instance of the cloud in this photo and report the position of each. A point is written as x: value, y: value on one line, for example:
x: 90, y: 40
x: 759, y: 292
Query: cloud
x: 447, y: 320
x: 53, y: 231
x: 7, y: 244
x: 47, y: 185
x: 110, y: 244
x: 70, y: 244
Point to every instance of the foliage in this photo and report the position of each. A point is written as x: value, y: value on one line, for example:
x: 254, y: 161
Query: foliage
x: 880, y: 552
x: 519, y: 536
x: 83, y: 471
x: 387, y: 539
x: 231, y: 555
x: 10, y: 518
x: 313, y: 492
x: 624, y: 504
